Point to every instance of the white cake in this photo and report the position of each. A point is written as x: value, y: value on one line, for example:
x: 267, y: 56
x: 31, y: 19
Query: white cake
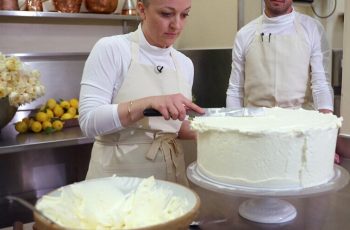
x: 285, y: 148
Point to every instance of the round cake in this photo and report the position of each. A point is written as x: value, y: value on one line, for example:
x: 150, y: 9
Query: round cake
x: 284, y: 148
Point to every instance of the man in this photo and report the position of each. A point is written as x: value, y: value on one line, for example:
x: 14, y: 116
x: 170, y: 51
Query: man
x: 280, y: 59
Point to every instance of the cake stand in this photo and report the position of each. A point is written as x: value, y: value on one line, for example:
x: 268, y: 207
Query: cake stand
x: 265, y: 205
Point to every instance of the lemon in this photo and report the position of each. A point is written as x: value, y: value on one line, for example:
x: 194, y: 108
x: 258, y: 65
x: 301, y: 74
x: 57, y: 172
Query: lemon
x: 26, y: 120
x: 72, y: 111
x: 41, y: 116
x: 36, y: 127
x: 65, y: 104
x: 74, y: 103
x: 31, y: 120
x: 66, y: 116
x: 57, y: 125
x: 21, y: 127
x: 42, y: 108
x: 51, y: 103
x: 46, y: 124
x: 58, y: 111
x: 49, y: 113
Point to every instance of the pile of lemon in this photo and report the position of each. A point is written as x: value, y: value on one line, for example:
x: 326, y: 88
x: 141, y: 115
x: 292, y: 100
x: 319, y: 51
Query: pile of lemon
x: 50, y: 117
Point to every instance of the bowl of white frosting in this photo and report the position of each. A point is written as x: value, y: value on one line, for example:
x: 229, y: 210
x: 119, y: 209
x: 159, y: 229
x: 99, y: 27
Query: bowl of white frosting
x: 118, y: 203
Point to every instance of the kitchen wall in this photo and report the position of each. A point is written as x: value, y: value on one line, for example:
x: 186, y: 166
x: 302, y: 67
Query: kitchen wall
x: 211, y: 24
x: 23, y: 35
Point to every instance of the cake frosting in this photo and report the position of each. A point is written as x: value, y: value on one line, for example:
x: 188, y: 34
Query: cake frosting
x: 99, y: 205
x: 284, y: 148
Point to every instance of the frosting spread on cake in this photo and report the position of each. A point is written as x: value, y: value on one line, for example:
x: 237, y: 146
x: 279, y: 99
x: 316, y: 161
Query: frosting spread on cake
x: 284, y: 148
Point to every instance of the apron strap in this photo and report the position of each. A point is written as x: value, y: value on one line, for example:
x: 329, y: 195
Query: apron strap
x: 135, y: 46
x: 173, y: 155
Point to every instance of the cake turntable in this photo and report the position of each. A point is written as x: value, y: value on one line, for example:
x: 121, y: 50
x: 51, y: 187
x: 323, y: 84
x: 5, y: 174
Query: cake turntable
x: 266, y: 205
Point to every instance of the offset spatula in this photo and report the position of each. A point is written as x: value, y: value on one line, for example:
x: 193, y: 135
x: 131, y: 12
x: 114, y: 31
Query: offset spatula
x: 217, y: 112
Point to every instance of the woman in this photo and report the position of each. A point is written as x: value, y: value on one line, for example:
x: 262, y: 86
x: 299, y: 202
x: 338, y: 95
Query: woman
x: 124, y: 75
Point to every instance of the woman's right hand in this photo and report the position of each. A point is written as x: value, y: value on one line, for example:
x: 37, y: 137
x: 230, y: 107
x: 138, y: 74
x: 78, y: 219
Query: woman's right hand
x: 172, y: 106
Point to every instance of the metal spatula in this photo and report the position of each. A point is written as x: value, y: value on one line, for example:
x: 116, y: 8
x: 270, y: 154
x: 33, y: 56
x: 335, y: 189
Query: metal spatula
x: 217, y: 112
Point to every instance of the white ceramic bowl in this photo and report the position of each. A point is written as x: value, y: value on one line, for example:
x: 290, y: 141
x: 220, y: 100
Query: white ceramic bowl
x: 127, y: 184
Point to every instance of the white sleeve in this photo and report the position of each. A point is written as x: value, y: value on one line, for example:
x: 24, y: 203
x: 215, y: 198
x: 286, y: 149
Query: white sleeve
x: 102, y: 73
x: 322, y: 90
x: 234, y: 93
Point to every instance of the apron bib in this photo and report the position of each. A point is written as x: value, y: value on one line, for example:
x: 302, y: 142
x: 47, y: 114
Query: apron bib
x: 149, y: 147
x: 277, y: 70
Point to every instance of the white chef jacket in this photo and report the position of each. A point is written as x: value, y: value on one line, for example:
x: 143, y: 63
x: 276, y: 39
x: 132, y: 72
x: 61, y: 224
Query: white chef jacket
x: 322, y: 91
x: 104, y: 73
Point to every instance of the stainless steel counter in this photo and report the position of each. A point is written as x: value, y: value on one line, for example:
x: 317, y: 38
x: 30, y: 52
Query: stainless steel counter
x: 11, y: 141
x: 33, y: 164
x: 328, y: 211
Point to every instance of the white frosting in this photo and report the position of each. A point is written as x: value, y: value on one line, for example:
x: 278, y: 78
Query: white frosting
x: 101, y: 205
x: 285, y: 148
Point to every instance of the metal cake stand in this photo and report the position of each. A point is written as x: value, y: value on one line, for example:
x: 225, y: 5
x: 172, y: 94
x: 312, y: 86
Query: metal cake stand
x: 264, y: 204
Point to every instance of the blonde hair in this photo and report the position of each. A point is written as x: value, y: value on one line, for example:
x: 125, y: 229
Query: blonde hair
x: 145, y: 2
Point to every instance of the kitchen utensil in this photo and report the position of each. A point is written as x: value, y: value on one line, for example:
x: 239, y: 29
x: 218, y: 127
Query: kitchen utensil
x: 9, y: 5
x: 34, y: 5
x: 198, y: 223
x: 7, y: 112
x: 129, y: 8
x: 217, y: 112
x: 31, y: 207
x: 67, y: 6
x: 101, y: 6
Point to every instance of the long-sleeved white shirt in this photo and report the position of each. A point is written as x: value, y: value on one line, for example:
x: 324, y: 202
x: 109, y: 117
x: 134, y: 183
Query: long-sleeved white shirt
x: 104, y: 73
x: 320, y: 56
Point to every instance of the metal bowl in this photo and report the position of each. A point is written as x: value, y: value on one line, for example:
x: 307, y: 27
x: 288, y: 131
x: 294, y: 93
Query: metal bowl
x: 101, y: 6
x: 67, y: 6
x: 9, y: 5
x: 7, y: 112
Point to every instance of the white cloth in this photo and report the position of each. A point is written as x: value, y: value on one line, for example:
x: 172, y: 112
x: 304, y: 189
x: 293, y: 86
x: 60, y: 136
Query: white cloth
x: 322, y: 91
x: 104, y: 74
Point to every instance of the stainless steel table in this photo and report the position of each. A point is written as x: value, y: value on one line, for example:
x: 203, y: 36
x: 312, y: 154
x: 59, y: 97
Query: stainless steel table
x: 328, y: 211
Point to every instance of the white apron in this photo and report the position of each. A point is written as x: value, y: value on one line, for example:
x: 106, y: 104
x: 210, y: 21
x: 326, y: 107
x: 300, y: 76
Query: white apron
x: 277, y: 70
x: 149, y: 147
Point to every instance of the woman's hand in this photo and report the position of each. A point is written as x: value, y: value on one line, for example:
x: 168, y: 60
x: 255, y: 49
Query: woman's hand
x: 174, y: 106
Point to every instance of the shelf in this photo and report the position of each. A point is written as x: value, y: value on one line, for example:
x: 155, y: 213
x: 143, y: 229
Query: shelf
x: 12, y: 13
x: 12, y: 142
x: 69, y: 16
